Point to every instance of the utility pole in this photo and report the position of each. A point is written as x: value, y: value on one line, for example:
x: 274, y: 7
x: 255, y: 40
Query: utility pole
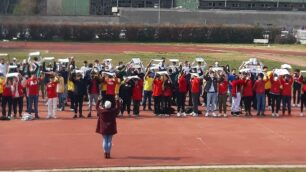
x: 158, y: 11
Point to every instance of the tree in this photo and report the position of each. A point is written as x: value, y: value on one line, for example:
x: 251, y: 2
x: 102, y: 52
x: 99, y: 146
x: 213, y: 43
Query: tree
x: 26, y: 7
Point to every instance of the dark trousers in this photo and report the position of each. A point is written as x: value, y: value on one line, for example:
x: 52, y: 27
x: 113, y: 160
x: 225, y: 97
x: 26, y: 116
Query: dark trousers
x: 157, y: 105
x: 296, y: 95
x: 72, y: 99
x: 166, y: 105
x: 147, y: 95
x: 275, y: 102
x: 268, y: 95
x: 195, y: 102
x: 78, y: 103
x: 18, y: 101
x: 222, y: 102
x: 103, y: 94
x: 247, y: 103
x: 126, y: 105
x: 111, y: 98
x: 286, y: 104
x: 6, y: 100
x: 181, y: 98
x: 136, y: 104
x: 303, y: 101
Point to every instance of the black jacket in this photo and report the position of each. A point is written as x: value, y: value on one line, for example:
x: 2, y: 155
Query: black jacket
x: 210, y: 81
x: 79, y: 87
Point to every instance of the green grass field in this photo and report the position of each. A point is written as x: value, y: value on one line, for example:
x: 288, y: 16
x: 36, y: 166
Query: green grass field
x: 234, y: 59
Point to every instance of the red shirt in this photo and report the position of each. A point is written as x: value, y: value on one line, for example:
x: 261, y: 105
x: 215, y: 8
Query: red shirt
x: 51, y: 90
x: 236, y: 86
x: 94, y: 89
x: 304, y: 88
x: 222, y: 87
x: 195, y: 85
x: 33, y: 86
x: 287, y: 87
x: 259, y: 87
x: 182, y: 84
x: 7, y: 90
x: 137, y: 91
x: 275, y: 86
x: 110, y: 86
x: 248, y: 88
x: 20, y: 90
x: 167, y: 91
x: 157, y: 87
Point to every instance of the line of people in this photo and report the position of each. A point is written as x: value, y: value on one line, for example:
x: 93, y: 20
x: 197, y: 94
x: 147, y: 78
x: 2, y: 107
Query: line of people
x: 170, y: 86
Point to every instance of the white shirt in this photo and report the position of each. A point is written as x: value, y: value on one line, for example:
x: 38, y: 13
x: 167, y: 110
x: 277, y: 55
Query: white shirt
x: 3, y: 68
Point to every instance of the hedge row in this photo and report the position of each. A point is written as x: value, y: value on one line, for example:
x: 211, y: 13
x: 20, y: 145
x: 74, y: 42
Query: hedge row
x: 201, y: 34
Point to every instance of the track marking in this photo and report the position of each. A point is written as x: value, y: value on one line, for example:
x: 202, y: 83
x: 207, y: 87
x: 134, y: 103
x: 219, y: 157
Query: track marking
x: 166, y: 168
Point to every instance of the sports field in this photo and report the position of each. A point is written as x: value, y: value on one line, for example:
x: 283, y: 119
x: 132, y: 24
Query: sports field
x: 67, y: 143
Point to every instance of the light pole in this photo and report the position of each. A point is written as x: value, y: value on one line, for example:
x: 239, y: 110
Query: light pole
x: 158, y: 11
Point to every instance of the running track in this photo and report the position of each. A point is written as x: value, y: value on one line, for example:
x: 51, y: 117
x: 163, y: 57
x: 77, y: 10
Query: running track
x: 152, y: 141
x: 136, y: 47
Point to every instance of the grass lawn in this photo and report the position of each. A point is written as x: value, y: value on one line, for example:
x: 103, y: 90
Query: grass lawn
x: 234, y: 59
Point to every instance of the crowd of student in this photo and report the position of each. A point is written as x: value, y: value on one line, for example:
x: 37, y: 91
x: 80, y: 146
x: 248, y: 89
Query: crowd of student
x: 171, y: 86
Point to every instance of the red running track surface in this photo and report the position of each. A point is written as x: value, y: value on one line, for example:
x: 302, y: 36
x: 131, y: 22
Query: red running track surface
x: 152, y: 141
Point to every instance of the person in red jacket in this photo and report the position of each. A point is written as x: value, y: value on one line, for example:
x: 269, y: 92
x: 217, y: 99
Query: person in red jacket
x: 137, y: 96
x: 167, y: 94
x: 106, y: 125
x: 259, y: 88
x: 181, y: 97
x: 236, y: 95
x: 17, y: 93
x: 247, y: 94
x: 286, y: 82
x: 157, y: 94
x: 303, y: 97
x: 33, y: 88
x: 7, y: 98
x: 111, y: 83
x: 195, y: 94
x: 222, y: 94
x: 52, y: 97
x: 275, y: 94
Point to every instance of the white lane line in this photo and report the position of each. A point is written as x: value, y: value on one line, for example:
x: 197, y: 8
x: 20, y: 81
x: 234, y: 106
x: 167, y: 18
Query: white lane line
x: 167, y: 168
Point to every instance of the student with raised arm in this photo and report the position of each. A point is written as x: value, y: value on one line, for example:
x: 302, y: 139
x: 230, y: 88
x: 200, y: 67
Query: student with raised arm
x: 7, y: 98
x: 157, y: 94
x: 147, y: 90
x: 18, y: 93
x: 286, y: 82
x: 275, y: 94
x: 33, y: 89
x: 52, y: 95
x: 182, y: 91
x: 259, y: 88
x: 106, y: 125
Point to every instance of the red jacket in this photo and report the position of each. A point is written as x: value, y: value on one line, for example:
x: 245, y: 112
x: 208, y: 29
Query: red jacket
x: 110, y: 86
x: 223, y: 87
x: 259, y: 86
x: 287, y: 87
x: 51, y: 90
x: 106, y: 124
x: 157, y: 87
x: 137, y: 91
x: 195, y: 85
x: 33, y: 86
x: 248, y: 88
x: 275, y: 86
x: 167, y: 89
x: 7, y: 90
x: 20, y: 90
x: 182, y: 84
x: 236, y: 84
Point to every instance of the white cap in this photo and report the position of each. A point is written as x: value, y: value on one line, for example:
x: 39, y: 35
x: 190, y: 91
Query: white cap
x: 107, y: 105
x: 14, y: 59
